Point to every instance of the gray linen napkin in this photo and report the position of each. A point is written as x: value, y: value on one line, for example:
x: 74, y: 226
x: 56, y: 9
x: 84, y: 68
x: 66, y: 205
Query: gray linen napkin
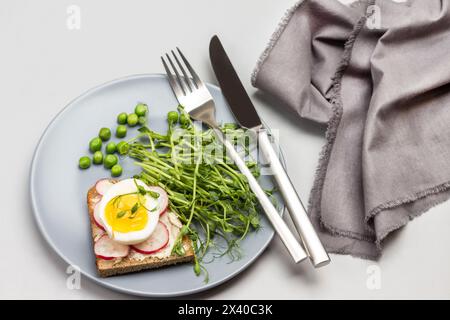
x: 378, y: 73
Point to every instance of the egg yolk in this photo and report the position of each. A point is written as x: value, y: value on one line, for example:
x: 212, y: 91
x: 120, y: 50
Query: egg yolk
x: 119, y: 216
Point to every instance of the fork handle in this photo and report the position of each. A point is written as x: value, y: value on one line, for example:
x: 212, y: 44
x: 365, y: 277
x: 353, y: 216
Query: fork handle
x: 311, y: 241
x: 287, y: 237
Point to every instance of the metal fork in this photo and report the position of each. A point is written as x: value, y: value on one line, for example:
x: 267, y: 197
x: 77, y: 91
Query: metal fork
x: 193, y: 95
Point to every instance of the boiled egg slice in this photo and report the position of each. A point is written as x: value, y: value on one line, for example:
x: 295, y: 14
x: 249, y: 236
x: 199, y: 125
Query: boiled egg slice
x: 128, y: 216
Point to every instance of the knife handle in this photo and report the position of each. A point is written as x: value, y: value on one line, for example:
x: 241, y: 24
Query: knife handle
x: 311, y: 241
x: 292, y: 245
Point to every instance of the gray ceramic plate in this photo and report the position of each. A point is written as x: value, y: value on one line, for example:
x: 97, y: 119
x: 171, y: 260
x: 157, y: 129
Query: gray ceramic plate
x: 58, y: 188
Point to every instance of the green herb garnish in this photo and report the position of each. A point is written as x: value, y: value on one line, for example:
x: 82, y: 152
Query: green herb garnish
x: 135, y: 208
x: 120, y: 214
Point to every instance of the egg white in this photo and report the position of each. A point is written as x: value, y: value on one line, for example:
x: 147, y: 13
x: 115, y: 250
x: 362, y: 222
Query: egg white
x: 132, y: 237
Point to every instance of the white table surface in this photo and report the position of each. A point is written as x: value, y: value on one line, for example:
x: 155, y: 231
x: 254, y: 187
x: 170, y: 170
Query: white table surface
x: 43, y: 65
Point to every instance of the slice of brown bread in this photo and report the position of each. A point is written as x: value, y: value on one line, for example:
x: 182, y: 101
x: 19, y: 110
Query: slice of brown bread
x: 107, y: 268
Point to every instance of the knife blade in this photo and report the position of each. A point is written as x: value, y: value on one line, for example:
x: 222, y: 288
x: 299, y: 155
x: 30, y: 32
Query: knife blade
x: 246, y: 115
x: 232, y: 87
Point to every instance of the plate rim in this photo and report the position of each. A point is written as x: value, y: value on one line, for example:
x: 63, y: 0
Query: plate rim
x: 97, y: 280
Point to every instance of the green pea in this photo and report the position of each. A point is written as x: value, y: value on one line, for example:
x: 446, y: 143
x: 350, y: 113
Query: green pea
x: 123, y: 148
x: 184, y: 119
x: 122, y: 118
x: 110, y: 161
x: 84, y: 162
x: 116, y: 170
x: 172, y: 116
x: 111, y: 148
x: 141, y: 109
x: 95, y: 144
x: 132, y: 119
x: 142, y: 120
x: 98, y: 157
x: 105, y: 134
x: 121, y: 131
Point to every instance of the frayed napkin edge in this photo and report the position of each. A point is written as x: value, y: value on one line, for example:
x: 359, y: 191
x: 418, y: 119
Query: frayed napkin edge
x: 324, y: 157
x: 274, y: 39
x: 441, y: 188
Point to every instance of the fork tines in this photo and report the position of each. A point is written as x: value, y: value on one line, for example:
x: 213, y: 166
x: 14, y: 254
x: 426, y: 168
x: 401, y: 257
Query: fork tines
x: 184, y: 83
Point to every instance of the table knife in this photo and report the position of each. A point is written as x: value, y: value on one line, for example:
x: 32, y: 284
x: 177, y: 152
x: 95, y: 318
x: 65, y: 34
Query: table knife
x: 246, y: 115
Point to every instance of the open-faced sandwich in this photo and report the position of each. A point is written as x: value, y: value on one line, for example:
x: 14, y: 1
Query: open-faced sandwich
x: 133, y: 228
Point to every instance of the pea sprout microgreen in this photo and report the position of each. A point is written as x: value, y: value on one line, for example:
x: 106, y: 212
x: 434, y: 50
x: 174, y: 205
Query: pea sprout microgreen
x: 206, y: 190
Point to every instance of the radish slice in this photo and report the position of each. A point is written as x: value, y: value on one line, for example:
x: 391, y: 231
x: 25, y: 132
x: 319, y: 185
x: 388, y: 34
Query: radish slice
x: 102, y: 186
x: 163, y: 199
x: 107, y: 249
x: 157, y: 241
x: 98, y: 233
x: 173, y: 219
x: 96, y: 217
x: 104, y: 258
x: 164, y: 211
x: 96, y: 199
